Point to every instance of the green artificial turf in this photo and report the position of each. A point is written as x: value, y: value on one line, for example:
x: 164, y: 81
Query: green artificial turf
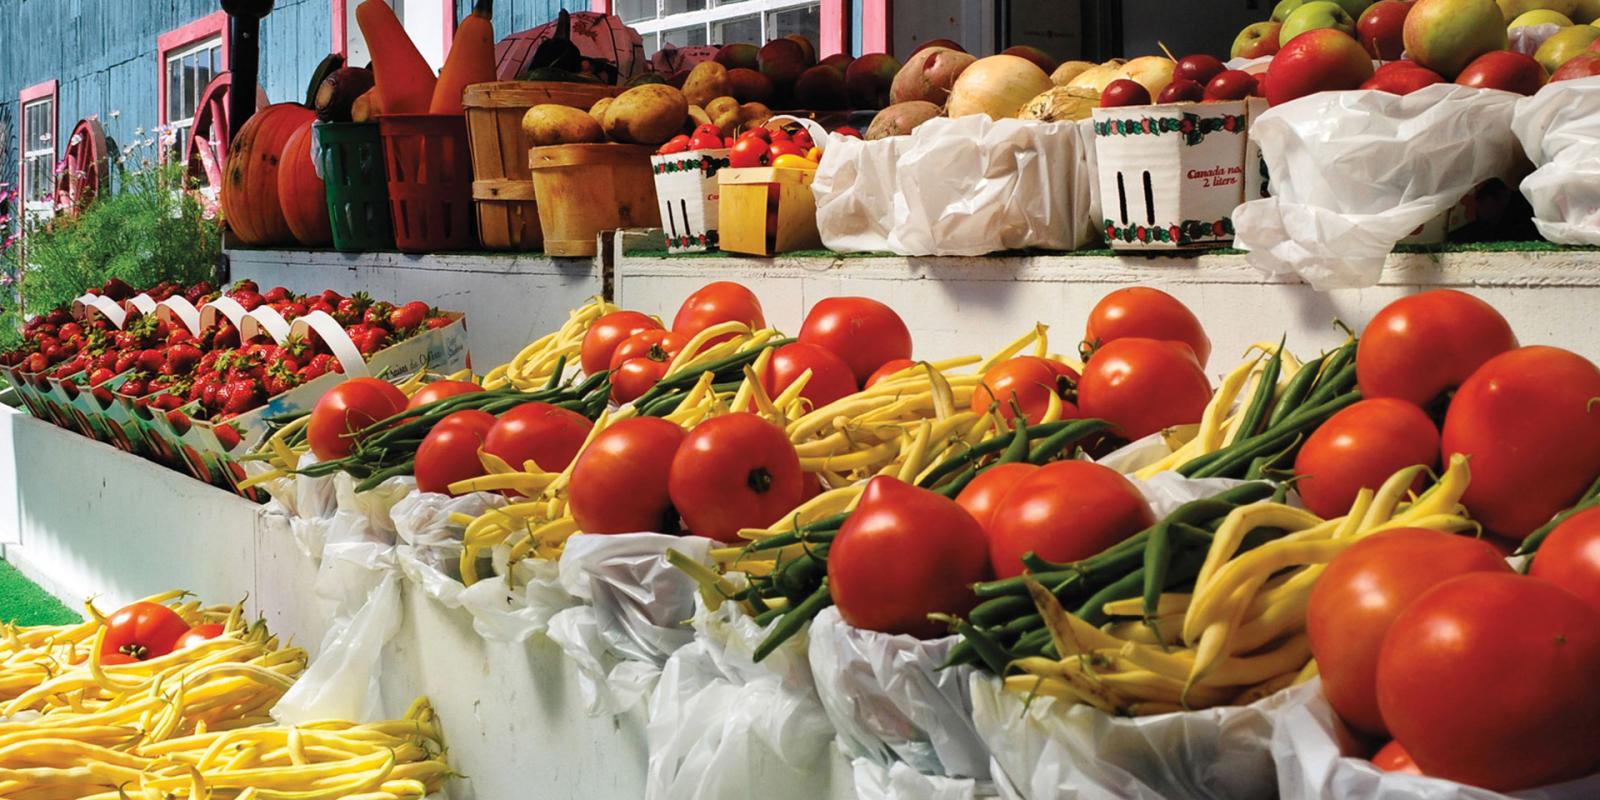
x: 23, y: 603
x: 1537, y: 246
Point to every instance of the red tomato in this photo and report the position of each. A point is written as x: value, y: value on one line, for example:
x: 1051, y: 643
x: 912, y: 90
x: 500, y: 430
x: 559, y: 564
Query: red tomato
x: 810, y: 486
x: 1363, y: 590
x: 606, y: 333
x: 346, y: 410
x: 1528, y: 421
x: 1490, y: 679
x: 905, y: 553
x: 749, y: 151
x: 641, y: 360
x: 830, y: 377
x: 888, y: 370
x: 449, y: 452
x: 983, y: 495
x: 1030, y: 380
x: 1394, y: 758
x: 864, y: 332
x: 113, y: 659
x: 1139, y: 312
x: 734, y: 471
x: 1570, y: 556
x: 197, y: 635
x: 1421, y: 346
x: 1065, y: 511
x: 619, y: 484
x: 439, y: 390
x: 706, y: 141
x: 142, y: 631
x: 721, y: 301
x: 1361, y: 447
x: 1143, y: 386
x: 788, y: 148
x: 539, y: 432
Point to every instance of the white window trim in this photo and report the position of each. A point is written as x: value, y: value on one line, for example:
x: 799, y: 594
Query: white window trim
x: 715, y: 12
x: 31, y: 207
x: 208, y: 43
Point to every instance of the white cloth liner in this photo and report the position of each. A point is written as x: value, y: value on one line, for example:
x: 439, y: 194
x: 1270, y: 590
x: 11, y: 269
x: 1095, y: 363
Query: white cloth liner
x: 1560, y: 130
x: 1310, y: 744
x: 1355, y: 172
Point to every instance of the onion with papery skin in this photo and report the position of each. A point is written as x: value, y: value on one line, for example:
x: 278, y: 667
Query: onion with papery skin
x: 1069, y: 70
x: 998, y: 86
x: 1096, y: 79
x: 1151, y: 72
x: 928, y: 75
x: 1061, y: 104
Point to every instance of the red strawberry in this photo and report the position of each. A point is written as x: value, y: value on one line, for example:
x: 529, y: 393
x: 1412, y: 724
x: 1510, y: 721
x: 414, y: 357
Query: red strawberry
x: 227, y: 436
x: 330, y: 297
x: 378, y: 314
x: 239, y: 396
x: 249, y: 300
x: 276, y: 295
x: 36, y: 363
x: 408, y: 316
x: 167, y: 402
x: 126, y: 360
x: 102, y: 395
x: 182, y: 358
x: 434, y: 323
x: 319, y: 305
x: 348, y: 311
x: 245, y: 285
x: 210, y: 394
x: 100, y: 375
x: 370, y: 340
x: 70, y: 330
x: 106, y: 360
x: 151, y: 360
x: 133, y: 387
x: 177, y: 419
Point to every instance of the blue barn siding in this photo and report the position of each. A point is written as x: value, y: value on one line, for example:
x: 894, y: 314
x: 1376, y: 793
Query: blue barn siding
x: 511, y: 16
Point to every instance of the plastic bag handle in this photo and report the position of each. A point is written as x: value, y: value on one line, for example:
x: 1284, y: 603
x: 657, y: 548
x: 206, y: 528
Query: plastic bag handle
x: 337, y: 340
x: 819, y: 135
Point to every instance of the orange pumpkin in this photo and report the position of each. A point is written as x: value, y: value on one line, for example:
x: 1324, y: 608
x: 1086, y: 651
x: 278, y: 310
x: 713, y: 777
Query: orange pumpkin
x: 300, y: 191
x: 250, y: 182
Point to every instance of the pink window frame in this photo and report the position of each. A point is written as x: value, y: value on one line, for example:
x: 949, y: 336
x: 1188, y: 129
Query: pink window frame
x: 215, y: 24
x: 877, y: 26
x: 38, y: 91
x: 834, y: 23
x: 341, y: 32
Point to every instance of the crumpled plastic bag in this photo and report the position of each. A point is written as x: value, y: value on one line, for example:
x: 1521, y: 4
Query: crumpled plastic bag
x: 959, y: 187
x: 342, y: 681
x: 889, y: 701
x: 1525, y: 39
x: 634, y: 612
x: 1309, y: 744
x: 1560, y: 130
x: 422, y: 524
x: 1353, y: 173
x: 721, y: 724
x: 899, y: 781
x: 1046, y: 748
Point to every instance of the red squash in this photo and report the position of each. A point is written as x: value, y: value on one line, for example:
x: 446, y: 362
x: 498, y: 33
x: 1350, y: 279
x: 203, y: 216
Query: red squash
x: 301, y: 193
x: 250, y: 201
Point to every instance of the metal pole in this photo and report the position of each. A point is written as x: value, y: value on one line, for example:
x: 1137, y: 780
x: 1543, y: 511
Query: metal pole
x: 244, y: 40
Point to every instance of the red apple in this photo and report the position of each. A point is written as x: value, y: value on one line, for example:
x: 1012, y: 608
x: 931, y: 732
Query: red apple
x: 1181, y: 90
x: 1233, y: 84
x: 1582, y: 66
x: 1123, y: 92
x: 1199, y: 68
x: 1320, y: 60
x: 1403, y: 81
x: 1257, y: 40
x: 1381, y: 29
x: 1505, y: 70
x: 1039, y: 57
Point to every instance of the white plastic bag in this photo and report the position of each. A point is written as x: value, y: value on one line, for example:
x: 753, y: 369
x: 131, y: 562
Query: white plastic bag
x: 1309, y: 747
x: 1353, y: 173
x: 634, y: 613
x: 890, y: 702
x: 855, y: 188
x: 1560, y: 130
x: 1525, y: 39
x: 721, y: 724
x: 515, y: 607
x: 1046, y: 748
x: 900, y: 782
x: 343, y: 679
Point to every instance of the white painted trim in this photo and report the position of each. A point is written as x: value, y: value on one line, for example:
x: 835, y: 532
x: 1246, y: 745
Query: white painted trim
x: 715, y: 13
x: 208, y: 43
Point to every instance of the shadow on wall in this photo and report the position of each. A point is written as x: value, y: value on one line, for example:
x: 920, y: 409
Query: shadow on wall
x: 1186, y: 26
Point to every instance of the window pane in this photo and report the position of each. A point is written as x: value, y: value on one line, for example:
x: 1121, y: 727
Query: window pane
x: 680, y: 6
x: 804, y: 21
x: 174, y: 90
x: 740, y: 29
x: 635, y: 10
x: 684, y: 37
x: 207, y: 70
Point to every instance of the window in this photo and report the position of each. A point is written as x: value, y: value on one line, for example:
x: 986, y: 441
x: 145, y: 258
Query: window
x: 430, y: 23
x: 189, y: 58
x: 681, y: 23
x: 39, y: 150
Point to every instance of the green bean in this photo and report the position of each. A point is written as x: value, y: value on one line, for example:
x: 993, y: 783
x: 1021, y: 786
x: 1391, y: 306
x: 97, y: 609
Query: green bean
x: 1530, y: 544
x: 1018, y: 448
x: 688, y: 377
x: 977, y: 451
x: 555, y: 375
x: 1000, y: 610
x: 1240, y: 453
x: 1262, y: 402
x: 1073, y: 433
x: 1295, y: 393
x: 993, y: 655
x: 1183, y: 570
x: 964, y: 652
x: 403, y: 468
x: 1332, y: 384
x: 799, y: 577
x: 794, y: 620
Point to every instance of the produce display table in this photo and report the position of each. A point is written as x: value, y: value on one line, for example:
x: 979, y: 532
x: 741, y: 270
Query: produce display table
x: 512, y: 298
x: 970, y: 305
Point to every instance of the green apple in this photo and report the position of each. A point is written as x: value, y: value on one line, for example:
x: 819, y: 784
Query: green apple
x: 1541, y: 16
x: 1511, y: 9
x: 1256, y: 40
x: 1565, y: 44
x: 1284, y: 8
x: 1446, y: 35
x: 1315, y: 15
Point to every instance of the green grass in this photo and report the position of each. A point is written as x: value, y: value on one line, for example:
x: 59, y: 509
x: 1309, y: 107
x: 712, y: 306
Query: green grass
x: 1538, y: 246
x: 24, y: 603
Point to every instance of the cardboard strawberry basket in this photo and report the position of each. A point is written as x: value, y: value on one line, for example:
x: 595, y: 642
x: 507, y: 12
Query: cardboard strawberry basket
x: 689, y: 194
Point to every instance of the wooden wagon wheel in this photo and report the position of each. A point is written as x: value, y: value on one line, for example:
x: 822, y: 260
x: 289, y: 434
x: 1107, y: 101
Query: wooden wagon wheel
x: 207, y: 148
x: 83, y: 167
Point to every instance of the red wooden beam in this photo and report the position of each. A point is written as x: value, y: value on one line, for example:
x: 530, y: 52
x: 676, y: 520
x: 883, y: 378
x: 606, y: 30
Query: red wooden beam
x: 835, y: 33
x: 215, y: 24
x: 341, y: 31
x: 600, y: 6
x: 877, y: 26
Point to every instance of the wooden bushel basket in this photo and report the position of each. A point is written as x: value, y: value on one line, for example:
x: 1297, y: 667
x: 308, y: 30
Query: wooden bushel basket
x: 588, y: 188
x: 508, y: 217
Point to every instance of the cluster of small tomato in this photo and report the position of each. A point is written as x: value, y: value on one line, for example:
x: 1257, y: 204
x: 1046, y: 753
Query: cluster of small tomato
x: 758, y: 147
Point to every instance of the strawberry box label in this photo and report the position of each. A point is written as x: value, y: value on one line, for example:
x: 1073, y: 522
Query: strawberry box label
x: 687, y: 188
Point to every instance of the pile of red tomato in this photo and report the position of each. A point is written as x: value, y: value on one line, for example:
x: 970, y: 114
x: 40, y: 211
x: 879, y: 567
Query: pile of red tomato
x: 143, y: 631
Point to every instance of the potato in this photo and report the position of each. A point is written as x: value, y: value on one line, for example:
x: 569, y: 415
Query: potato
x: 550, y: 124
x: 722, y: 105
x: 649, y: 114
x: 755, y: 114
x: 706, y: 82
x: 598, y: 110
x: 697, y: 117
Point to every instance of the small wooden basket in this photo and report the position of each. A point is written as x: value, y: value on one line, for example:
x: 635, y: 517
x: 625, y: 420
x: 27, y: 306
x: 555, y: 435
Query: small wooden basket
x: 508, y: 217
x: 584, y: 189
x: 748, y: 202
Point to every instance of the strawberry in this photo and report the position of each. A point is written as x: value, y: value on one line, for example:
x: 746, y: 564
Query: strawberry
x: 319, y: 305
x: 245, y: 285
x: 369, y: 339
x: 280, y: 378
x: 178, y: 336
x: 151, y: 360
x: 409, y: 315
x: 102, y: 395
x: 167, y: 402
x: 227, y: 436
x: 100, y: 375
x: 182, y: 358
x: 330, y: 297
x: 133, y: 387
x: 210, y: 394
x: 70, y: 330
x: 249, y: 300
x: 117, y: 289
x: 434, y: 323
x: 291, y: 309
x: 239, y: 396
x: 177, y: 419
x: 276, y: 295
x: 378, y: 314
x: 126, y: 360
x: 349, y: 310
x: 106, y: 361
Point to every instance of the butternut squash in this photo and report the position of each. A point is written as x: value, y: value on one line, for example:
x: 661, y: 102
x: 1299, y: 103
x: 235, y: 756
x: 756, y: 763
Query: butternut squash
x: 471, y: 60
x: 405, y: 82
